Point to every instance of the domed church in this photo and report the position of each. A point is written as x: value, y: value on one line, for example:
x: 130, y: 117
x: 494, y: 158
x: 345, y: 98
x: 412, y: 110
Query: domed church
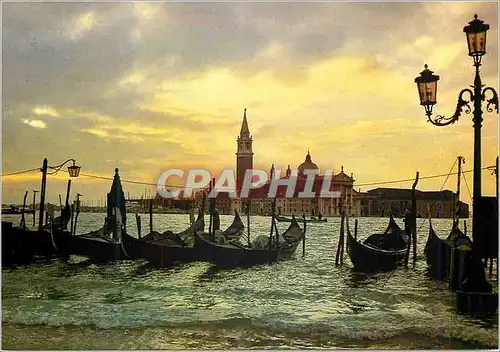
x: 307, y: 165
x: 312, y: 206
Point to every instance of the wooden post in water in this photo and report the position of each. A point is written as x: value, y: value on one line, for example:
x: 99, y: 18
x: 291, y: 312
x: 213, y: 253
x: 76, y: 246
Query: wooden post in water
x: 414, y: 218
x: 273, y: 208
x: 34, y: 208
x: 248, y: 222
x: 343, y: 246
x: 77, y: 213
x: 304, y: 236
x: 23, y: 220
x: 213, y: 202
x: 42, y: 194
x: 408, y: 226
x: 356, y: 229
x: 277, y: 236
x: 341, y: 239
x: 138, y: 222
x: 72, y: 216
x: 210, y: 212
x: 150, y: 215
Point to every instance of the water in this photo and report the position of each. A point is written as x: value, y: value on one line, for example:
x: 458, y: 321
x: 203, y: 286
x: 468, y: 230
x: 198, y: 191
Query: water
x: 303, y: 303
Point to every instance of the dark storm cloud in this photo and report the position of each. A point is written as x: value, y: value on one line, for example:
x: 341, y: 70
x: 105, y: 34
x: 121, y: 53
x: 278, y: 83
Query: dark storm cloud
x: 43, y: 66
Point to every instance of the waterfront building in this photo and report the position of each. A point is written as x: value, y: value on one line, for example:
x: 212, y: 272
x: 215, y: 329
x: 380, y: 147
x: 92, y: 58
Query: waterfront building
x: 383, y: 201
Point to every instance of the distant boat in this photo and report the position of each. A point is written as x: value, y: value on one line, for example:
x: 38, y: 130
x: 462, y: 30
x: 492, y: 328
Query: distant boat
x: 12, y: 210
x: 311, y: 220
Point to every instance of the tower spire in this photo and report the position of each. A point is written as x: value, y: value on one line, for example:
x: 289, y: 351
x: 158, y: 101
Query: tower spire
x: 245, y: 131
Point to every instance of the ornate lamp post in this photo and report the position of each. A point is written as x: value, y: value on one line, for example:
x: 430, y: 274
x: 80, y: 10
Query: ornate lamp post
x: 73, y: 170
x: 427, y: 90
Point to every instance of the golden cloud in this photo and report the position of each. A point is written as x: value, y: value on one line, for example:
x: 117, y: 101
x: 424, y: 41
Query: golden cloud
x: 35, y: 123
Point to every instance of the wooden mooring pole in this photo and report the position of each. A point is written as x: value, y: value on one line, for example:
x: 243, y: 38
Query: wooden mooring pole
x: 248, y: 223
x: 150, y: 215
x: 273, y: 210
x: 414, y: 218
x: 340, y: 246
x: 356, y: 229
x: 304, y: 236
x: 138, y: 222
x: 23, y: 220
x: 72, y: 216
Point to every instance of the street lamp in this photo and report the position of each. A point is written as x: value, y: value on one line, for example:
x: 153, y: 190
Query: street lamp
x: 73, y: 170
x: 427, y: 89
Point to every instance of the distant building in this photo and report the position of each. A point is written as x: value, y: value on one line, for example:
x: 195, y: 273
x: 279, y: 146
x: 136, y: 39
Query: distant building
x: 244, y: 154
x: 383, y: 201
x: 261, y: 204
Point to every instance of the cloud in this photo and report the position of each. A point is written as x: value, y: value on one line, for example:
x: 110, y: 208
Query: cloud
x: 45, y: 110
x: 145, y: 86
x: 35, y: 123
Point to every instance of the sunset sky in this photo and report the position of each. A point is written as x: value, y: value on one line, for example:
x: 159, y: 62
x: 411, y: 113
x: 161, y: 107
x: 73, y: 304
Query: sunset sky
x: 150, y: 86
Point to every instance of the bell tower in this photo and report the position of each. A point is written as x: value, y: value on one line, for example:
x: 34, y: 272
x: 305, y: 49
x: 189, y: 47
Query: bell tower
x: 244, y: 155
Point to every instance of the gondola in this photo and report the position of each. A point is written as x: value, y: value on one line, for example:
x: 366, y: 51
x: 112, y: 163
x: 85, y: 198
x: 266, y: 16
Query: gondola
x: 104, y: 244
x: 18, y: 245
x: 393, y: 238
x: 438, y: 252
x: 99, y: 246
x: 234, y: 254
x: 163, y: 253
x: 167, y: 248
x: 22, y: 245
x: 367, y: 257
x: 13, y: 210
x: 311, y: 220
x: 184, y: 238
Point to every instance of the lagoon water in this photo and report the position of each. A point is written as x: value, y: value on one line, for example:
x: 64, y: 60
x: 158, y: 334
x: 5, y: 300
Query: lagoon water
x: 303, y: 303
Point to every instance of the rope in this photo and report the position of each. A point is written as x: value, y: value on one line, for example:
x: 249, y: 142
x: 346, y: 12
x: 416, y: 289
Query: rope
x: 20, y: 172
x: 184, y: 187
x: 467, y: 186
x: 413, y: 179
x: 448, y: 175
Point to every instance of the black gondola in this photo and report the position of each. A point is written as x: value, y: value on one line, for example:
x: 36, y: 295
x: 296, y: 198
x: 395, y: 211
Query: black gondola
x: 105, y: 244
x: 311, y: 220
x: 163, y: 253
x: 168, y: 248
x: 184, y: 238
x: 366, y: 257
x: 438, y: 252
x: 393, y: 238
x: 99, y: 246
x: 234, y: 254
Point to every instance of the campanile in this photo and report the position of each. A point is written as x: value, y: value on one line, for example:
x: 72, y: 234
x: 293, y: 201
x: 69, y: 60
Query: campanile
x: 244, y: 155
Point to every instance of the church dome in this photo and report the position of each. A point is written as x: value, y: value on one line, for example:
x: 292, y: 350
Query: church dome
x: 307, y: 164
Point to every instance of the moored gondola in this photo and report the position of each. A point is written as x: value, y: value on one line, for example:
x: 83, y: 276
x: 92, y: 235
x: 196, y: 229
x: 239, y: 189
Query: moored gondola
x: 393, y: 238
x: 167, y: 248
x: 438, y: 252
x: 159, y: 254
x: 104, y: 244
x: 235, y: 254
x: 99, y: 246
x: 311, y: 220
x: 367, y: 257
x: 184, y: 238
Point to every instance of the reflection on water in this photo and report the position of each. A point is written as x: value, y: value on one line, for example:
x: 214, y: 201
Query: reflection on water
x: 302, y: 303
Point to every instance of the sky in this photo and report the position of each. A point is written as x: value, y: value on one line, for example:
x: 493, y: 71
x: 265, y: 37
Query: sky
x: 147, y: 87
